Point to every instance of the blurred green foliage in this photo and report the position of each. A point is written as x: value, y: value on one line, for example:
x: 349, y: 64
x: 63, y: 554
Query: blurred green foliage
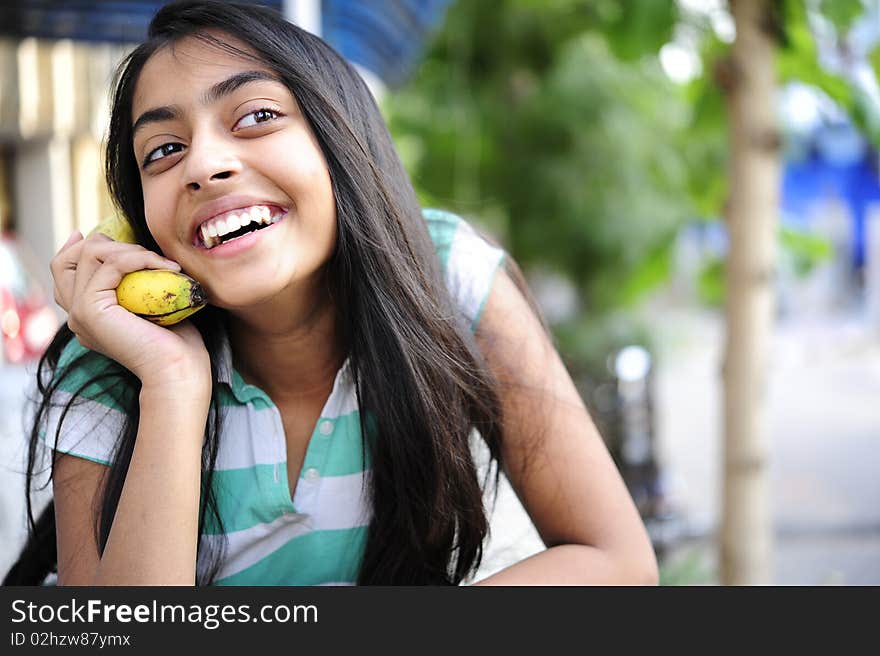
x: 841, y: 13
x: 552, y: 124
x: 692, y: 566
x: 803, y: 250
x: 800, y: 253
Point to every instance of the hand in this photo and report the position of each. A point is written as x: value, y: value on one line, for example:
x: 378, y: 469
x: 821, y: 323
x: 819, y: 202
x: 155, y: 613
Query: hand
x: 86, y: 273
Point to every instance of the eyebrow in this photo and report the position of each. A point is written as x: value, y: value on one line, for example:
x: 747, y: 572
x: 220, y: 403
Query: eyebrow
x: 212, y: 95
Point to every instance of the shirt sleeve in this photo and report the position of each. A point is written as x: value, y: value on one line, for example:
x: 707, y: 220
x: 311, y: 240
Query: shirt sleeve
x: 87, y: 411
x: 468, y: 261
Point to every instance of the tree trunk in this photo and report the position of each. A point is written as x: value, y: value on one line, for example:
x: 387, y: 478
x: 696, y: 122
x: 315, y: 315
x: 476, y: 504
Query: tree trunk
x: 752, y: 209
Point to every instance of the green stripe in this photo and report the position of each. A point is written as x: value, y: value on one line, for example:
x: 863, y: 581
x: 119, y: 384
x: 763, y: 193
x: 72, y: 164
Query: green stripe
x: 316, y: 557
x: 249, y: 393
x: 249, y: 496
x: 337, y: 454
x: 442, y: 227
x: 476, y: 322
x: 236, y: 398
x: 107, y: 392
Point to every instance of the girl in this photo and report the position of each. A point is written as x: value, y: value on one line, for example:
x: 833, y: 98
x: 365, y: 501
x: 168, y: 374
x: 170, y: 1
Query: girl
x: 312, y: 425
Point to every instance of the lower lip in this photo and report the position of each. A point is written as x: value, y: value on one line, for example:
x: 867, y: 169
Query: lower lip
x: 236, y: 246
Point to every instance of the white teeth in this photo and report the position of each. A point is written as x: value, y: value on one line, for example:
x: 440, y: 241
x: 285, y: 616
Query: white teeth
x: 214, y: 229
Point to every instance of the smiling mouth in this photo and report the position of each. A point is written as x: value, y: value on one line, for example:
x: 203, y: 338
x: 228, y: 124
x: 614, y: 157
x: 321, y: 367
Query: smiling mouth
x: 231, y: 225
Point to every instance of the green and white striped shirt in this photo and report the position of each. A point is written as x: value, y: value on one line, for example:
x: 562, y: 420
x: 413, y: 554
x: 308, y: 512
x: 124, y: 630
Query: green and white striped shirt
x: 318, y: 536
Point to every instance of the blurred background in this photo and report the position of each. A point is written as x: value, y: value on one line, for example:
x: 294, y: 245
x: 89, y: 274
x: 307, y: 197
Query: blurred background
x: 606, y: 144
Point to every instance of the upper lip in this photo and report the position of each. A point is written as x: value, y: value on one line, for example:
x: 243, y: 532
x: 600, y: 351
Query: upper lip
x: 226, y: 204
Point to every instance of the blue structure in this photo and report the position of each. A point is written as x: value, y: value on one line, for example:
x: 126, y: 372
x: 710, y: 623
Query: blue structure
x: 385, y: 37
x: 838, y: 163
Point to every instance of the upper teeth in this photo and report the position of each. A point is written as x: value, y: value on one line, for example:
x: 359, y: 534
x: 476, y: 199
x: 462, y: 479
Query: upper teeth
x: 215, y: 228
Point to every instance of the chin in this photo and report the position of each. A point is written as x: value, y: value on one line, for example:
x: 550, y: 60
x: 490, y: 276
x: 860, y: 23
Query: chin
x: 243, y: 299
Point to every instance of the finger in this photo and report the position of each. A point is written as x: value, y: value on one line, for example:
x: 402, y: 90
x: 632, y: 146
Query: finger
x: 108, y: 275
x: 63, y: 269
x: 68, y: 256
x: 74, y: 237
x: 97, y: 252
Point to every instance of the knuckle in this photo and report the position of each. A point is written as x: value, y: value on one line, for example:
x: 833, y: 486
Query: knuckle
x: 88, y: 249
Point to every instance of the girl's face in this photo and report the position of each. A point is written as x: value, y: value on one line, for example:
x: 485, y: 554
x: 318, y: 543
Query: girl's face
x: 236, y: 188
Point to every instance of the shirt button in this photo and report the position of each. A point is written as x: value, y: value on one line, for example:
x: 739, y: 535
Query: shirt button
x: 312, y: 475
x: 326, y: 427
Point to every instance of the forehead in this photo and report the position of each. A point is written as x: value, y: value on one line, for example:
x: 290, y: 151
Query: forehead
x: 183, y: 70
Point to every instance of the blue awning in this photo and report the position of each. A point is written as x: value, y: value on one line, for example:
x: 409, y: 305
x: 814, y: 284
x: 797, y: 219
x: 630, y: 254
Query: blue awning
x: 384, y: 37
x: 115, y: 21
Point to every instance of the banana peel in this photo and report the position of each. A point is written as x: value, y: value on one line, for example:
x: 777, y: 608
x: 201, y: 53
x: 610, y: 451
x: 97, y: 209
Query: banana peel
x: 161, y: 296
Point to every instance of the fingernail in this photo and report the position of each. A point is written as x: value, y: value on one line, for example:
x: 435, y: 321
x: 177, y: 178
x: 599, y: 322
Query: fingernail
x: 72, y: 237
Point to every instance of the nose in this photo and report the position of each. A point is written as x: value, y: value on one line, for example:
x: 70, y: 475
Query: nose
x: 208, y: 163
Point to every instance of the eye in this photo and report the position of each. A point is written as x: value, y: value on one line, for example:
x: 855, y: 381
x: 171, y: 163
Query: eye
x: 162, y: 151
x: 255, y: 117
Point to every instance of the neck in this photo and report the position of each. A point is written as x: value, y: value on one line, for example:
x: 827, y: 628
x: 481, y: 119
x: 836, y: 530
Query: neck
x: 291, y: 352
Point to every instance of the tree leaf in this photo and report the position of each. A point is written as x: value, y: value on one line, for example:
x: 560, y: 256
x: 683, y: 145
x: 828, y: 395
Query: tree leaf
x: 641, y: 28
x: 842, y: 13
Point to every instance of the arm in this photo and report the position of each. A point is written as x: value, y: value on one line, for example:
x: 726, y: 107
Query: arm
x: 154, y: 531
x: 556, y: 460
x: 153, y: 538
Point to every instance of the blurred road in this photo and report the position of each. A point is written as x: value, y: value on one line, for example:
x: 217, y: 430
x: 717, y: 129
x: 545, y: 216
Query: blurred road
x: 824, y: 451
x: 823, y: 442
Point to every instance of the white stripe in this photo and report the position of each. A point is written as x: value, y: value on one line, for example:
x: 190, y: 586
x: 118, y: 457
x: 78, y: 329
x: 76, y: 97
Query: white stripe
x: 90, y: 429
x: 340, y: 506
x: 338, y: 501
x: 472, y: 261
x: 256, y: 437
x: 250, y: 437
x: 343, y: 399
x: 251, y: 545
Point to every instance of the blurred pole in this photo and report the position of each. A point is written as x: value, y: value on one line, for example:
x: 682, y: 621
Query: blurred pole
x: 305, y: 13
x: 748, y: 78
x: 42, y: 180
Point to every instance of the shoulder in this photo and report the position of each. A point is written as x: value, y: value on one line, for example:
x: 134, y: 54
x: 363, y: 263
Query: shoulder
x: 468, y: 259
x: 84, y: 373
x: 85, y: 404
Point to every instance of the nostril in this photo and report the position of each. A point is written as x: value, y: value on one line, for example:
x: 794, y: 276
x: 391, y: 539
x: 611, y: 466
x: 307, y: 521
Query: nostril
x: 221, y: 176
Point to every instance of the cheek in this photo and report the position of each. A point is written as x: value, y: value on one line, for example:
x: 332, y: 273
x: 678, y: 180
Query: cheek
x: 300, y: 165
x: 159, y: 213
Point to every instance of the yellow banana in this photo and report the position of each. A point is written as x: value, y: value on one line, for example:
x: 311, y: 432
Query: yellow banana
x: 162, y: 296
x: 117, y: 228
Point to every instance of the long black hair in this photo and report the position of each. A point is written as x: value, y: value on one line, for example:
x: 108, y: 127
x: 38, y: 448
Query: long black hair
x: 418, y: 373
